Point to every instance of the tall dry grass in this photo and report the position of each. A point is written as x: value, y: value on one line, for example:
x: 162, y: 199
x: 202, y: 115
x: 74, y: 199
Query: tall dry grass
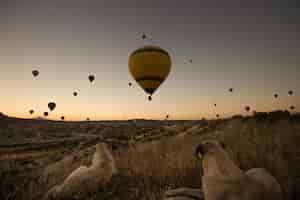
x: 169, y: 163
x: 148, y: 169
x: 161, y: 165
x: 273, y: 145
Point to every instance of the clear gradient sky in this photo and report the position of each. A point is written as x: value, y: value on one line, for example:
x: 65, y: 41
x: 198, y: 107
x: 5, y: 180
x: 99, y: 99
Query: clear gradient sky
x: 252, y: 46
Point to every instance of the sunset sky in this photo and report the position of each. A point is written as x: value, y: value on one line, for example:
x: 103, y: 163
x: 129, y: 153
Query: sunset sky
x: 252, y: 46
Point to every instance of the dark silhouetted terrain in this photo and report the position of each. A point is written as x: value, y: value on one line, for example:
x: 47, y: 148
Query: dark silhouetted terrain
x: 152, y: 156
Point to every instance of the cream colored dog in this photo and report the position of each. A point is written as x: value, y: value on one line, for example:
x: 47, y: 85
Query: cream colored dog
x: 84, y: 179
x: 223, y: 180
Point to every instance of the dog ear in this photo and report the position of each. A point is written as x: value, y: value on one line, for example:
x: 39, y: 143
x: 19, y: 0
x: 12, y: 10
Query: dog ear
x: 223, y: 145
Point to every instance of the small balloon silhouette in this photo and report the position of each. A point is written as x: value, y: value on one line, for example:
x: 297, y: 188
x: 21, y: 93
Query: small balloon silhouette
x: 290, y: 92
x: 75, y: 94
x: 35, y: 73
x: 91, y: 78
x: 247, y: 108
x: 62, y: 118
x: 292, y: 107
x: 45, y: 114
x: 51, y: 106
x: 217, y: 115
x: 31, y: 111
x: 144, y: 36
x: 275, y: 95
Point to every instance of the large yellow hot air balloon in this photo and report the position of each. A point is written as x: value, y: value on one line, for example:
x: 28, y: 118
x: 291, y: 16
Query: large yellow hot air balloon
x: 149, y: 66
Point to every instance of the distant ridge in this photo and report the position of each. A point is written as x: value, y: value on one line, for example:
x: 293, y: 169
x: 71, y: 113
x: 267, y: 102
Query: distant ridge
x: 40, y: 118
x: 6, y: 117
x: 271, y: 115
x: 3, y: 115
x: 140, y: 119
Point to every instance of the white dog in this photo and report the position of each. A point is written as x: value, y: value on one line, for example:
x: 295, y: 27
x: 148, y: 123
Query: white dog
x: 87, y: 180
x: 223, y: 180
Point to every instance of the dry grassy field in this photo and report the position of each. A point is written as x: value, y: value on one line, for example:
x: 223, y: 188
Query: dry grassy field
x: 153, y: 158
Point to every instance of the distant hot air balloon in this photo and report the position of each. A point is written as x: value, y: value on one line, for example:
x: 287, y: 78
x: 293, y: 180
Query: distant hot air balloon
x: 230, y: 89
x: 290, y: 92
x: 149, y: 66
x: 215, y: 104
x: 247, y: 108
x: 129, y: 84
x: 91, y: 78
x: 51, y: 106
x: 75, y: 94
x: 217, y: 115
x: 87, y: 119
x: 191, y: 61
x: 31, y: 111
x: 45, y: 114
x: 275, y: 95
x: 144, y: 36
x: 167, y: 116
x: 62, y: 118
x: 292, y: 107
x: 35, y: 73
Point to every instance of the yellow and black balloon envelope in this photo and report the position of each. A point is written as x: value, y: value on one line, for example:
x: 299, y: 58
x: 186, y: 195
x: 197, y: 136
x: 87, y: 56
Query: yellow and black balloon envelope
x: 149, y: 66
